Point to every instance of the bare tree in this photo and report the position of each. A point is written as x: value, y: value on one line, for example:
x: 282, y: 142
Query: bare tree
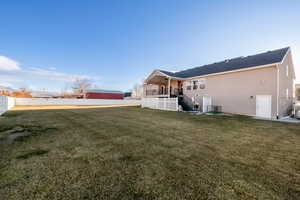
x: 80, y: 85
x: 23, y: 92
x: 137, y: 90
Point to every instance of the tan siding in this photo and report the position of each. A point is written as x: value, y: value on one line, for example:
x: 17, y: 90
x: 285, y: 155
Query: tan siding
x: 233, y: 91
x: 297, y: 92
x: 285, y: 82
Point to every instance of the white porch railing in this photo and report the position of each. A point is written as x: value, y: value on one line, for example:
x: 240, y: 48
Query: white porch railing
x: 170, y: 104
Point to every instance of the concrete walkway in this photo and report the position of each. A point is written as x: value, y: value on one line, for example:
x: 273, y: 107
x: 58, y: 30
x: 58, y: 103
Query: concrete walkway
x: 284, y: 119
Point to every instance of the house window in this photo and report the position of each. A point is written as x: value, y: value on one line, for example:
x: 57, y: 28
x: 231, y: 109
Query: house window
x: 287, y: 70
x: 287, y: 93
x: 202, y: 86
x: 188, y: 85
x: 195, y: 86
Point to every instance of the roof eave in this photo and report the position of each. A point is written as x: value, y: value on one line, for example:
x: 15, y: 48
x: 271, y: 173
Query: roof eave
x: 232, y: 71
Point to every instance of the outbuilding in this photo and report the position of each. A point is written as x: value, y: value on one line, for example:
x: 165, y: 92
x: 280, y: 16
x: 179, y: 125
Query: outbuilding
x: 103, y: 94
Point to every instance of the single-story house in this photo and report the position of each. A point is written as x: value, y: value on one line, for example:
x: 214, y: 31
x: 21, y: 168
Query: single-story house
x: 103, y: 94
x: 259, y: 85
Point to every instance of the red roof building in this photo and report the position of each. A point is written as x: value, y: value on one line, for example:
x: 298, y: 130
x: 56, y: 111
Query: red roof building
x: 103, y: 94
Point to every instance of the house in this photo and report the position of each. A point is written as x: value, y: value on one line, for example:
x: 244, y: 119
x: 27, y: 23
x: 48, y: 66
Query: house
x: 297, y: 92
x: 103, y: 94
x: 258, y: 85
x: 128, y: 94
x: 43, y: 94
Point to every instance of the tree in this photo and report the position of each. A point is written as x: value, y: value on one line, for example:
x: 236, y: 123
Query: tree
x: 137, y: 90
x: 23, y: 92
x: 80, y: 85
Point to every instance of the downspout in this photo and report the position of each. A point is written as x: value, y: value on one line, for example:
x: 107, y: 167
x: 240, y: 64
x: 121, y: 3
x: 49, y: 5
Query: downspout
x: 277, y: 109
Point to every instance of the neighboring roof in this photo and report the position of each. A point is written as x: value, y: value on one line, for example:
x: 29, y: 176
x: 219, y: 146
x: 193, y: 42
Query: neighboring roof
x: 103, y: 91
x: 266, y: 58
x: 40, y: 94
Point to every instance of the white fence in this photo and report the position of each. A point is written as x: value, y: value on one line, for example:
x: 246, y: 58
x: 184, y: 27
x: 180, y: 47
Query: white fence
x: 161, y: 103
x: 73, y: 102
x: 6, y: 103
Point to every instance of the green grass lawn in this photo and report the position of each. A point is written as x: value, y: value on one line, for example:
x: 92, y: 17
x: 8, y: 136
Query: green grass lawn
x: 133, y: 153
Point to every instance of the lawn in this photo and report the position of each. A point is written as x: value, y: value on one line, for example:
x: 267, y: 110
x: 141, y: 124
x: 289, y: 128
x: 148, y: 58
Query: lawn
x: 133, y: 153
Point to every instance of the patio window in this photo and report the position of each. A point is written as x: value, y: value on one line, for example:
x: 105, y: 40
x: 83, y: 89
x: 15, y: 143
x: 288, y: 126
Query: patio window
x: 188, y: 85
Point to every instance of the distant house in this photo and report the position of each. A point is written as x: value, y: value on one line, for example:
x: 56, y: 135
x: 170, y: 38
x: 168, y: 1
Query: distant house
x: 103, y: 94
x: 297, y: 90
x: 258, y: 85
x: 128, y: 94
x: 43, y: 94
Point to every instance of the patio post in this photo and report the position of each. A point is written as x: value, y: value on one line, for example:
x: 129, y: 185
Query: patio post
x: 169, y: 86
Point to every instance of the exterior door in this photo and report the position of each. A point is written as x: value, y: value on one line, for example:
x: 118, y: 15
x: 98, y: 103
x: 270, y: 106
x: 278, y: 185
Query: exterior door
x: 207, y: 101
x: 264, y: 106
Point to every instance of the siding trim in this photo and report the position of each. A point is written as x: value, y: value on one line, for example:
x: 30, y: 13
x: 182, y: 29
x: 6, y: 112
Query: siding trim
x: 287, y: 52
x: 277, y: 101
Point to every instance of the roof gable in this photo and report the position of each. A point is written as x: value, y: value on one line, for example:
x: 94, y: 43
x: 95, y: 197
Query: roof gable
x: 267, y: 58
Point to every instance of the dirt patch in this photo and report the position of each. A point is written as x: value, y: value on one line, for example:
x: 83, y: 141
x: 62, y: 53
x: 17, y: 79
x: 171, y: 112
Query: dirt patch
x: 35, y: 152
x: 11, y: 114
x: 21, y: 133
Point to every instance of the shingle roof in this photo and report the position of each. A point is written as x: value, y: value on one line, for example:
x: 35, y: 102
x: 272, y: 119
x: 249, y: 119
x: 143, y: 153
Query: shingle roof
x: 266, y: 58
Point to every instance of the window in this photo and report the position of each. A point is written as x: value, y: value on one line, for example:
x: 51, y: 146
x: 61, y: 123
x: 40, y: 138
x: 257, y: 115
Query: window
x: 287, y: 93
x: 188, y: 85
x: 202, y: 86
x: 195, y: 86
x: 287, y: 70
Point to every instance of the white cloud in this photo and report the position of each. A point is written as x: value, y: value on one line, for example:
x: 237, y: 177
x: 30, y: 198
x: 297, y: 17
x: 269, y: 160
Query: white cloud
x: 7, y: 64
x: 39, y: 73
x: 5, y: 84
x: 12, y: 74
x: 52, y: 68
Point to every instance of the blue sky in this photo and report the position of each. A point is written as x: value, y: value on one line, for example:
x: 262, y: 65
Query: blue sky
x: 116, y: 43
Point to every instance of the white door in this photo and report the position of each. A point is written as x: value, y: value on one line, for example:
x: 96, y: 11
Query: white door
x: 207, y: 101
x: 264, y: 106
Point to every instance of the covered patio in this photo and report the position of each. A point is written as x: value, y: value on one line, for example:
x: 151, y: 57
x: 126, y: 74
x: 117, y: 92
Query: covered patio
x: 159, y: 84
